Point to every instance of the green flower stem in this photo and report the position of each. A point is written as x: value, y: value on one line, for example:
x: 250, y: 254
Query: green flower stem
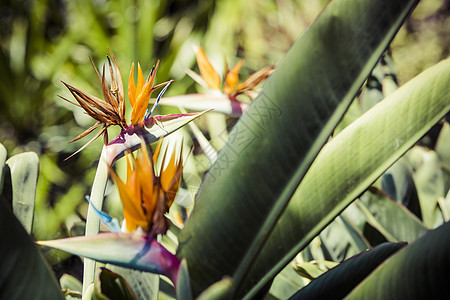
x: 92, y: 221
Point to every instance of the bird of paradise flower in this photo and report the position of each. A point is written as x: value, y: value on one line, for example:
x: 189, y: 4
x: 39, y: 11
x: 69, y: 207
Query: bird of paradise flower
x: 224, y: 93
x: 147, y: 193
x: 111, y: 110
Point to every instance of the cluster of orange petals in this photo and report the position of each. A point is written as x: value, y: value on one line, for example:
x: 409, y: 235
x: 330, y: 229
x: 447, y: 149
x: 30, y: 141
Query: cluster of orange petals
x: 147, y: 196
x: 111, y: 110
x: 230, y: 85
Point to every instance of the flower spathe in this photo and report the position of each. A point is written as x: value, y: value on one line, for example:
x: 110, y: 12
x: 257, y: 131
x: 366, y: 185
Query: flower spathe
x: 111, y: 110
x: 147, y: 193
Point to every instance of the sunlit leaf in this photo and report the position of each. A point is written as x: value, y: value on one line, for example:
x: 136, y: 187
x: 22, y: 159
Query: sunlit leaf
x: 313, y: 269
x: 339, y: 281
x: 391, y: 217
x: 24, y: 172
x: 217, y: 291
x: 3, y: 155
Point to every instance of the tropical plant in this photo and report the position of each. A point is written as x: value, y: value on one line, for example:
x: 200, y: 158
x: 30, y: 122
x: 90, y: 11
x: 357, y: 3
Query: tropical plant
x: 312, y: 167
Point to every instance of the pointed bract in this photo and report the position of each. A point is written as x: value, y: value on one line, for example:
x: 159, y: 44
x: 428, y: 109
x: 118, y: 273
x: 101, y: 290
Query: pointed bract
x: 131, y: 87
x: 232, y: 78
x: 208, y: 72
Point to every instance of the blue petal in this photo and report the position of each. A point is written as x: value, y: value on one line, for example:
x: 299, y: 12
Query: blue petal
x: 110, y: 222
x: 157, y: 99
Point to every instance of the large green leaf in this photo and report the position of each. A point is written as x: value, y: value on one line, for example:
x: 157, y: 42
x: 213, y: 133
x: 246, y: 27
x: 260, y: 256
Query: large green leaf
x: 145, y: 285
x: 388, y: 216
x: 114, y: 286
x: 341, y: 239
x: 183, y: 289
x: 443, y: 145
x: 285, y: 284
x: 430, y: 183
x: 419, y: 271
x: 3, y: 155
x: 23, y: 271
x: 24, y: 172
x: 398, y: 183
x: 352, y: 161
x: 339, y: 281
x: 275, y: 141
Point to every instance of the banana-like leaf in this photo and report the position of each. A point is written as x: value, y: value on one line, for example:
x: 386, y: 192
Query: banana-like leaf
x: 341, y: 239
x: 199, y: 102
x: 419, y: 271
x: 71, y: 286
x: 443, y: 145
x: 217, y: 291
x: 398, y: 183
x: 114, y: 286
x: 274, y: 143
x: 313, y: 269
x: 386, y: 215
x: 353, y: 160
x: 183, y: 289
x: 24, y: 273
x: 122, y: 249
x: 24, y: 172
x: 339, y: 281
x: 3, y: 155
x: 144, y: 285
x: 286, y: 283
x: 430, y: 183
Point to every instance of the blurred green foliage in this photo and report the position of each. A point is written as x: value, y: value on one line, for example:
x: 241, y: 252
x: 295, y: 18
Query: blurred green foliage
x: 44, y: 42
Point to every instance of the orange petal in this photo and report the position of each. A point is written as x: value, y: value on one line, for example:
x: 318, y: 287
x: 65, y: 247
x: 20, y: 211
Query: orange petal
x: 131, y: 87
x: 157, y: 150
x: 146, y: 178
x: 129, y: 158
x: 132, y: 209
x: 232, y: 79
x: 170, y: 178
x: 140, y: 107
x: 208, y: 72
x: 141, y: 80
